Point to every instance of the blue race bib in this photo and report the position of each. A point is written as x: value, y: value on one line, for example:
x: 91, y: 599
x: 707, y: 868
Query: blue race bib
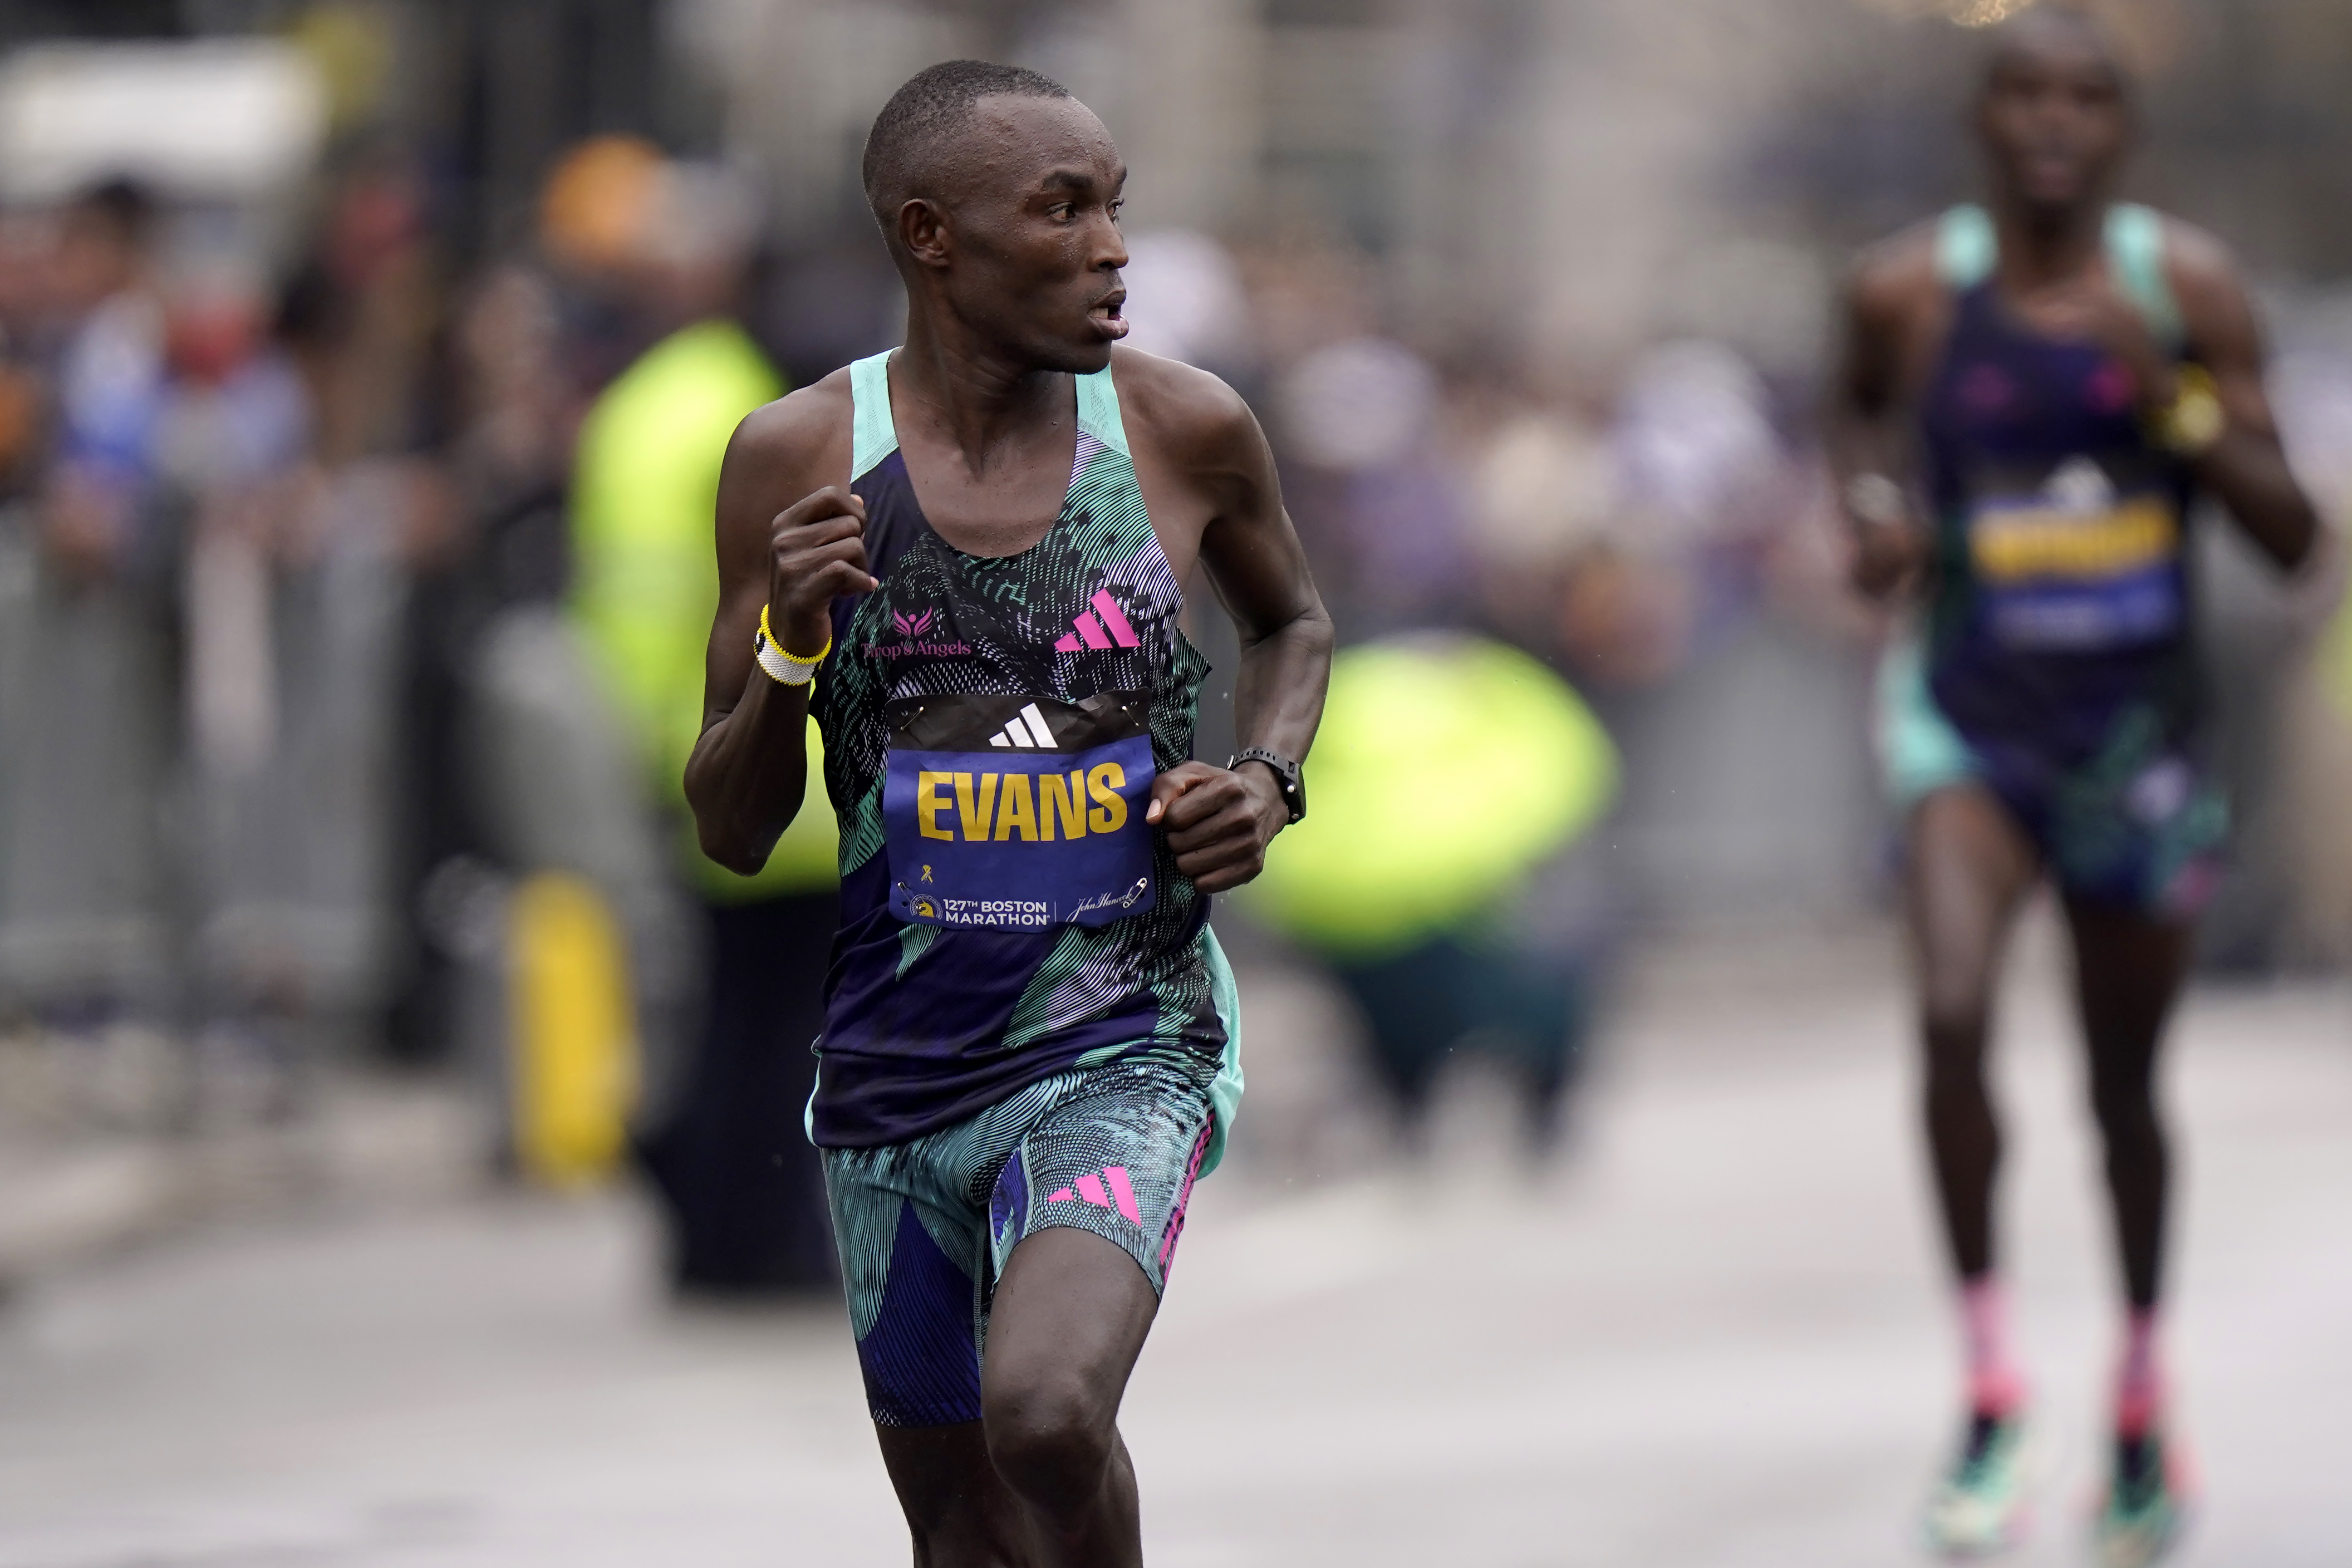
x: 1018, y: 813
x: 2078, y: 569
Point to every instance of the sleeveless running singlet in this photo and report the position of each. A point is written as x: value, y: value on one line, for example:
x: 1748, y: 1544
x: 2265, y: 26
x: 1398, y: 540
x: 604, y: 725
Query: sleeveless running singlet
x: 992, y: 727
x: 2063, y: 595
x: 2058, y: 667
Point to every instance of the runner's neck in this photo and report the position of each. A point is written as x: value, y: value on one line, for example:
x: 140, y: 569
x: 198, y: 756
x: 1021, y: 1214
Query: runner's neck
x: 973, y: 395
x: 2039, y: 249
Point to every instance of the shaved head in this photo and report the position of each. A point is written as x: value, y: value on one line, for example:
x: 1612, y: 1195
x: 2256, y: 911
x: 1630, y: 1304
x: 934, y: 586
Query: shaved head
x: 2055, y: 114
x: 913, y: 145
x: 2054, y: 31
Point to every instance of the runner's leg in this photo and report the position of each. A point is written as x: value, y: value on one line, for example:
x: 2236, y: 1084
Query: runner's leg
x: 961, y: 1514
x: 1070, y: 1317
x: 1970, y: 869
x: 2128, y: 969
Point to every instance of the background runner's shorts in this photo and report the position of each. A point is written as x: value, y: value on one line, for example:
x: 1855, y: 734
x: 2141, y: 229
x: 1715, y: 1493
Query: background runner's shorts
x: 925, y: 1227
x: 2141, y: 827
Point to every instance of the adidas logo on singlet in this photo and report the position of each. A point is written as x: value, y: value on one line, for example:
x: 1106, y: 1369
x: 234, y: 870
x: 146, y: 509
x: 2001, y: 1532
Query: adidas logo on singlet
x: 2081, y: 487
x: 1104, y: 626
x: 1026, y: 729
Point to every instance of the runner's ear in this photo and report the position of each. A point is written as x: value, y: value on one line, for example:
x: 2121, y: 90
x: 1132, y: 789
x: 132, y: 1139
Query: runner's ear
x: 923, y: 232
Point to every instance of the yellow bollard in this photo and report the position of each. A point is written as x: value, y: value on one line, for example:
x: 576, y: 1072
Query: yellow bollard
x: 574, y: 1040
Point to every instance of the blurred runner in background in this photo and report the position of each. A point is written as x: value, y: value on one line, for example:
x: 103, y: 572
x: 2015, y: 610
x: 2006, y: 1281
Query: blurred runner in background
x: 2071, y: 373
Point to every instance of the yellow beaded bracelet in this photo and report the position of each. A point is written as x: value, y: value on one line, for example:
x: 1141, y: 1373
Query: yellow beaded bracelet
x: 784, y: 669
x: 2195, y: 419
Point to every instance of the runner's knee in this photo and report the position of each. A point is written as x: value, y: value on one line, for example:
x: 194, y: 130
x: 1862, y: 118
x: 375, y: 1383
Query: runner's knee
x: 2126, y: 1107
x: 1050, y: 1437
x: 1955, y: 1005
x: 1953, y: 1022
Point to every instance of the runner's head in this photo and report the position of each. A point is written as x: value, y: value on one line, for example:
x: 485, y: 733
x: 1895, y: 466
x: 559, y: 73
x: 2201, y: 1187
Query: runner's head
x: 998, y: 194
x: 2054, y: 112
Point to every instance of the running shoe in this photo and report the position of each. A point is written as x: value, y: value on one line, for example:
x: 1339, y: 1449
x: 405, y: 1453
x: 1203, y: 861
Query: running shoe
x: 1980, y: 1505
x: 2146, y: 1505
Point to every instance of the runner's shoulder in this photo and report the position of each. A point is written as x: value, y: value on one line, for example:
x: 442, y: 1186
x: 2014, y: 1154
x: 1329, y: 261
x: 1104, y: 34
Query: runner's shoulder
x: 2196, y: 249
x: 1897, y: 277
x: 1193, y: 417
x: 802, y: 439
x: 2203, y: 273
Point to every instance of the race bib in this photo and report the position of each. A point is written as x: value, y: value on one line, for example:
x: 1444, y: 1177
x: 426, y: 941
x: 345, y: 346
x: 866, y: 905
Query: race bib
x: 2077, y: 568
x: 1018, y: 813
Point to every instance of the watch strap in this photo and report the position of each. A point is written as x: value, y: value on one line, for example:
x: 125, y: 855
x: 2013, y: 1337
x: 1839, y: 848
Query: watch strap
x: 1286, y: 775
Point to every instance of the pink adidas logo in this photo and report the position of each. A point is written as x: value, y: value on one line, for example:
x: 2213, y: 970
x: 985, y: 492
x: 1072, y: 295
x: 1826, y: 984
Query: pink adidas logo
x: 1105, y: 627
x: 1121, y: 1194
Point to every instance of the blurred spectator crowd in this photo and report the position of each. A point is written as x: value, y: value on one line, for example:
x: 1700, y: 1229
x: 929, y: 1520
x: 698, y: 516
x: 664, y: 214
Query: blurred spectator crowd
x: 351, y: 611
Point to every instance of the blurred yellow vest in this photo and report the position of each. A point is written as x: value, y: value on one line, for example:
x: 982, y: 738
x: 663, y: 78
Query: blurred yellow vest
x: 1447, y: 768
x: 644, y: 492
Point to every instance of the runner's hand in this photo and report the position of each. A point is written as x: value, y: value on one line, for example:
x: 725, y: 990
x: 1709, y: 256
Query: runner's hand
x: 816, y: 554
x: 1888, y: 557
x: 2095, y: 306
x: 1218, y: 821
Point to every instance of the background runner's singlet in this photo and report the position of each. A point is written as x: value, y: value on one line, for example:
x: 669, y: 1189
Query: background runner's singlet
x: 2063, y: 599
x: 992, y: 729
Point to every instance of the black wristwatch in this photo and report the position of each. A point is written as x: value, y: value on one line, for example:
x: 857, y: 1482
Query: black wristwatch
x: 1286, y: 774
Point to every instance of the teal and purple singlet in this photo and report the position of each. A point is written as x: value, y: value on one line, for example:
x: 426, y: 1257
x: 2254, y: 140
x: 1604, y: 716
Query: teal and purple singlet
x: 2057, y: 668
x: 992, y: 730
x: 1028, y: 1021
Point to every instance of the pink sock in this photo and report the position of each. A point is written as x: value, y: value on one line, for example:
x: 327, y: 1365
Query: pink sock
x: 2139, y: 1384
x: 1996, y: 1385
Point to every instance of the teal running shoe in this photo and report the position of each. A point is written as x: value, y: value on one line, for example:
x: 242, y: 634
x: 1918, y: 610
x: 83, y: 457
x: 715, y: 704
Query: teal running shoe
x: 2147, y: 1503
x: 1981, y: 1506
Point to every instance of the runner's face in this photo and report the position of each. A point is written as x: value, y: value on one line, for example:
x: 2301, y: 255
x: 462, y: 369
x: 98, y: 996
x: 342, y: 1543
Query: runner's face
x: 2054, y: 122
x: 1039, y: 249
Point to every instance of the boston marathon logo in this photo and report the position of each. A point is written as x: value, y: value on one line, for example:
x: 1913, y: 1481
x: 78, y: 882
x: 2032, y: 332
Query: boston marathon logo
x: 1001, y: 808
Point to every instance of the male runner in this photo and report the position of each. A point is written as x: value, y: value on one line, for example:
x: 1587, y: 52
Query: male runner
x: 1028, y: 1053
x: 2070, y: 370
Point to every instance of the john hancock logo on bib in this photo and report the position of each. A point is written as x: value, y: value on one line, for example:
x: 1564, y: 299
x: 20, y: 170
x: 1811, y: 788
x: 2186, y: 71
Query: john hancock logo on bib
x: 1018, y: 813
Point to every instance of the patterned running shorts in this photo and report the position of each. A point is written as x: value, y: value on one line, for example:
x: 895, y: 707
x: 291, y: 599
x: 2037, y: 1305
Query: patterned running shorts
x: 925, y: 1228
x: 2141, y: 826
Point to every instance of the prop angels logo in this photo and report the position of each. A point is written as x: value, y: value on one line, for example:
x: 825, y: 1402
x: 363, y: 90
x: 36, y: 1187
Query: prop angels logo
x: 912, y: 630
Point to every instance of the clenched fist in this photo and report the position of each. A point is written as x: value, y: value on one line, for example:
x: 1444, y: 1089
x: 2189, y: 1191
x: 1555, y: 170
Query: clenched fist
x: 1218, y: 821
x: 816, y: 554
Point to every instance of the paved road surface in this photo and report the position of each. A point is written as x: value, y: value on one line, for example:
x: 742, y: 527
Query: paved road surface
x: 1711, y: 1337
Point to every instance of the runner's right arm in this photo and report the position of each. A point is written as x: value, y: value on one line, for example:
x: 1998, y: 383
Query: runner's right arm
x: 750, y: 770
x: 1866, y: 425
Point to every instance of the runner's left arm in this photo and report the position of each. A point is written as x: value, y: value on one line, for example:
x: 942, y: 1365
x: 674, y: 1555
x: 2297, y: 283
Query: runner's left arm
x: 1219, y: 822
x: 2246, y: 467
